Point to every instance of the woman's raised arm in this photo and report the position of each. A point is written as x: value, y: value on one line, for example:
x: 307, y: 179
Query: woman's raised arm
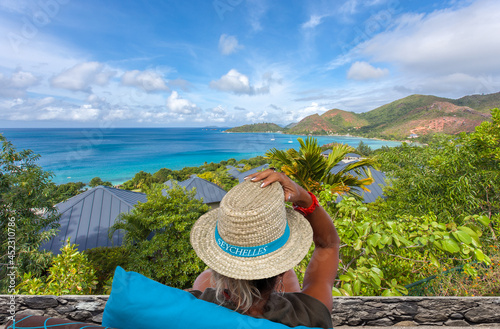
x: 322, y: 268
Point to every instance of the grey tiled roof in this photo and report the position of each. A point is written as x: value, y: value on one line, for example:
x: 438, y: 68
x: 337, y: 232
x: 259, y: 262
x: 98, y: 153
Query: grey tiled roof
x: 209, y: 191
x: 352, y: 155
x: 233, y: 172
x: 375, y: 188
x: 251, y: 171
x: 87, y: 217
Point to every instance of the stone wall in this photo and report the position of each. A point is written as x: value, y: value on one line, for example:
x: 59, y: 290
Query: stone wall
x: 347, y: 311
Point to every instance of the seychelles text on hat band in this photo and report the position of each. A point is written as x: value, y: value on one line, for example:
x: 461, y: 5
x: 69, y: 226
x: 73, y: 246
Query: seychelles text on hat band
x: 252, y: 251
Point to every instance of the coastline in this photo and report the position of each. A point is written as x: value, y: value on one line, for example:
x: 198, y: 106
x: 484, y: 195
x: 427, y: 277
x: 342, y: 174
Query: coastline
x: 313, y: 135
x: 117, y: 154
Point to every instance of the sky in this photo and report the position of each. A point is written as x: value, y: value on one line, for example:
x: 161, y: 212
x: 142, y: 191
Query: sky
x: 224, y: 63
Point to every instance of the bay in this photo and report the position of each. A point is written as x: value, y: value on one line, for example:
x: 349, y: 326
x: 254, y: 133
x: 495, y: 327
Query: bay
x: 116, y: 154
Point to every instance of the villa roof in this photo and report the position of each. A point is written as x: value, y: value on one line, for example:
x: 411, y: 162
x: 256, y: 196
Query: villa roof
x: 205, y: 190
x: 348, y: 155
x: 375, y: 188
x: 87, y: 217
x: 353, y: 155
x: 251, y: 171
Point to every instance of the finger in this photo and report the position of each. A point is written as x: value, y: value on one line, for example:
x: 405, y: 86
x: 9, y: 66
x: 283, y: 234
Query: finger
x: 258, y: 176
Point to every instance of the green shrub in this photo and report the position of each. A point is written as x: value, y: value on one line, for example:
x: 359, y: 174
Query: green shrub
x: 71, y: 273
x: 105, y: 260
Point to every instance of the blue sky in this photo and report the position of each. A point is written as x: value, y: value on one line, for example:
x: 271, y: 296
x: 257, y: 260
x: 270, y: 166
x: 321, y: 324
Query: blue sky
x: 69, y: 63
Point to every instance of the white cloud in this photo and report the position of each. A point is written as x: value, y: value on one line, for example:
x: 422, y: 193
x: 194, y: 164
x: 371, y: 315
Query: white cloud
x: 82, y: 76
x: 311, y: 109
x: 365, y: 71
x: 118, y: 114
x: 464, y: 40
x: 17, y: 84
x: 257, y: 117
x: 149, y: 81
x: 237, y: 83
x: 314, y: 21
x: 179, y: 105
x: 256, y: 10
x: 217, y: 114
x: 228, y: 44
x: 349, y: 7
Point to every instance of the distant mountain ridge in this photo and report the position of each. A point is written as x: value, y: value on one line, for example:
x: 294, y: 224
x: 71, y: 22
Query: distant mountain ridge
x: 416, y: 114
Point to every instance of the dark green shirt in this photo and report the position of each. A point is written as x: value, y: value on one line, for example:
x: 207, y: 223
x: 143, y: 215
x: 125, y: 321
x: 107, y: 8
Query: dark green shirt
x: 292, y: 309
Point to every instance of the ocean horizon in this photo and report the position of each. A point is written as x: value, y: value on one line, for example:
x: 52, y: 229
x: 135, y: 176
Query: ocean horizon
x: 117, y: 154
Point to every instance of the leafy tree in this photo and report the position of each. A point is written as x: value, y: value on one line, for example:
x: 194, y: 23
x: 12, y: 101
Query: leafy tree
x: 63, y: 192
x: 311, y: 169
x: 105, y: 260
x: 162, y: 175
x: 27, y: 214
x: 96, y: 181
x: 70, y: 273
x: 363, y: 149
x: 168, y: 215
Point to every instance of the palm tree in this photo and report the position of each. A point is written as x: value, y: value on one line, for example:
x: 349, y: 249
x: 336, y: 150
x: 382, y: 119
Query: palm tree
x: 313, y: 171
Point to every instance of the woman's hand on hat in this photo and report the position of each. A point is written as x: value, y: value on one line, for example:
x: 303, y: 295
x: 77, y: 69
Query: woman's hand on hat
x: 293, y: 191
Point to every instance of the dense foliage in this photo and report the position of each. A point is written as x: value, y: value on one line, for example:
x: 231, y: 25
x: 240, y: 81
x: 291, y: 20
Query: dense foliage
x: 27, y: 214
x: 69, y: 274
x: 313, y: 171
x: 96, y: 181
x: 63, y: 192
x: 379, y: 256
x: 157, y: 235
x: 213, y: 172
x: 104, y: 260
x: 452, y: 177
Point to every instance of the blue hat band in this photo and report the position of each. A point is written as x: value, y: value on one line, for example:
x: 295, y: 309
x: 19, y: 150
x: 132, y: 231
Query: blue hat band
x: 255, y: 251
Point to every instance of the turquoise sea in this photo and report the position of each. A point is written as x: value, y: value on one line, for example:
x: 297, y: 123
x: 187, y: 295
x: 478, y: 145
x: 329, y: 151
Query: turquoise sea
x: 116, y: 154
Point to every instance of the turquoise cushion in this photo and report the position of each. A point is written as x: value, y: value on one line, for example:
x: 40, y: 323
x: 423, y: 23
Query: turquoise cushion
x: 138, y: 302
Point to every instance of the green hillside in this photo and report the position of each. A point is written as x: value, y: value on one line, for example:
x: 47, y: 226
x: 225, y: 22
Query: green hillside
x: 397, y: 110
x: 344, y: 119
x: 416, y: 114
x: 481, y: 103
x: 313, y: 124
x: 256, y: 127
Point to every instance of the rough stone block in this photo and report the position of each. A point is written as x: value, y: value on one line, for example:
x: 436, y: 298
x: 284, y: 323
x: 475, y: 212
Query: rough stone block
x: 456, y: 323
x: 41, y: 302
x: 427, y: 316
x: 63, y: 309
x: 384, y: 322
x: 354, y: 321
x: 456, y: 316
x: 338, y: 320
x: 484, y: 314
x: 406, y: 324
x: 97, y: 318
x: 89, y: 306
x: 32, y: 312
x: 80, y: 315
x: 407, y: 308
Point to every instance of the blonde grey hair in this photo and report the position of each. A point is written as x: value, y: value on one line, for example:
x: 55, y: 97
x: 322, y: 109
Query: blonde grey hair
x: 243, y: 293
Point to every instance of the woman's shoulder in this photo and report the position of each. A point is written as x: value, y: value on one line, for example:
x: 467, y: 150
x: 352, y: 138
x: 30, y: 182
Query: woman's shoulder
x: 296, y: 309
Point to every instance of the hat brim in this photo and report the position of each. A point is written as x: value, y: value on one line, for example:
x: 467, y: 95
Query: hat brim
x: 251, y: 268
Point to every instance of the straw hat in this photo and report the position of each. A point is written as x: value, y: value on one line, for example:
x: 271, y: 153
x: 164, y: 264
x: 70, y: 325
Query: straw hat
x: 252, y: 235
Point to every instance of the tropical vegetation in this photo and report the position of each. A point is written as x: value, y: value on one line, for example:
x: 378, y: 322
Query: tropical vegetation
x: 440, y: 212
x: 314, y: 171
